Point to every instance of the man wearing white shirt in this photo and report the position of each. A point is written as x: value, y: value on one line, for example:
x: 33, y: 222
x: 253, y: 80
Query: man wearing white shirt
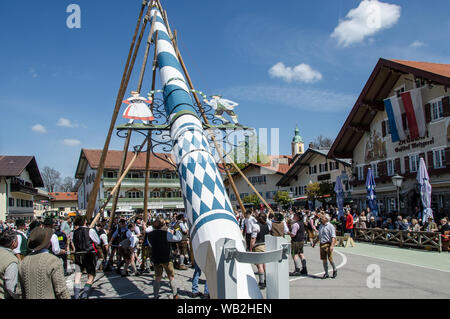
x: 248, y: 227
x: 22, y: 247
x: 56, y: 250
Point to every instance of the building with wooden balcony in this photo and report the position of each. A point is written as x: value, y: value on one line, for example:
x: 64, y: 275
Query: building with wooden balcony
x: 19, y: 178
x: 164, y: 185
x: 366, y: 136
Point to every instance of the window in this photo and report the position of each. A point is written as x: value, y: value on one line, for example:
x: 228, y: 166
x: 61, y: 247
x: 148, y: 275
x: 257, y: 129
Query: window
x: 437, y: 111
x: 360, y: 173
x: 439, y: 158
x: 392, y: 205
x: 313, y: 169
x: 414, y: 161
x: 399, y: 89
x: 390, y: 167
x: 323, y: 167
x: 257, y: 179
x: 110, y: 174
x: 156, y: 194
x: 169, y: 175
x: 155, y: 175
x: 334, y: 165
x: 374, y: 167
x: 11, y: 202
x: 134, y: 194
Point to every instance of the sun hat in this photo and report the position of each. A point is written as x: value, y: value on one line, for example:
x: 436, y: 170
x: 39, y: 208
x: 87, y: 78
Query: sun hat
x: 40, y: 238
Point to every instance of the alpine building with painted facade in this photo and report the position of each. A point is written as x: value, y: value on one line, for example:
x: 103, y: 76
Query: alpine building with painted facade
x: 164, y: 185
x: 402, y: 114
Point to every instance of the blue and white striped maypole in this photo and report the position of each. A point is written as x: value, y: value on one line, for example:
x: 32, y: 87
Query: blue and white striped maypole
x: 208, y: 208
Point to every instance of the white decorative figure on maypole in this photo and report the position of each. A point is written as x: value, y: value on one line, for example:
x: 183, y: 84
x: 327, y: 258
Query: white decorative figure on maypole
x: 138, y: 109
x: 221, y: 105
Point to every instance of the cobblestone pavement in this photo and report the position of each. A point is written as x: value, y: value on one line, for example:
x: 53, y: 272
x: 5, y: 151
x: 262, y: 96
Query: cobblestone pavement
x: 403, y: 273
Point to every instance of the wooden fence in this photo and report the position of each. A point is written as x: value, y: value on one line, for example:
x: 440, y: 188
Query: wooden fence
x: 400, y: 238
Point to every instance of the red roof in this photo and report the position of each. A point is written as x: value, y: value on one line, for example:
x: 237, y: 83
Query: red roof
x: 114, y: 159
x: 436, y: 68
x: 63, y: 196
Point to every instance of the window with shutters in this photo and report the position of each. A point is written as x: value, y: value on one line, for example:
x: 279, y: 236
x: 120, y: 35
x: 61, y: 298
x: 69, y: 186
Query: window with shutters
x: 414, y: 161
x: 392, y: 205
x: 390, y: 167
x: 437, y: 111
x: 439, y: 158
x: 374, y: 167
x: 360, y: 173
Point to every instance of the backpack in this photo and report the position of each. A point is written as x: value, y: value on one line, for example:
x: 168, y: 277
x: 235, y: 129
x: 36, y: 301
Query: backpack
x: 82, y: 241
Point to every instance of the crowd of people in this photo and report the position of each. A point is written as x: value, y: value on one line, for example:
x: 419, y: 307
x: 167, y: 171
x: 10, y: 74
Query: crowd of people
x: 35, y: 257
x: 321, y: 225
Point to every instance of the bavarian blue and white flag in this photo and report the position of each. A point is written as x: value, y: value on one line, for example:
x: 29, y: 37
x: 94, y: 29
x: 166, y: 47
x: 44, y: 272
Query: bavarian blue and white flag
x: 339, y: 190
x: 371, y: 194
x: 394, y: 107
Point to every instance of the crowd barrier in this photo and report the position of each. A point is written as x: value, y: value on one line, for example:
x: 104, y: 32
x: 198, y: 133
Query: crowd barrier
x: 425, y: 240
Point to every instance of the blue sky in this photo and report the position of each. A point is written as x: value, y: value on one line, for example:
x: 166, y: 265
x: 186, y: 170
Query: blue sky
x: 286, y: 63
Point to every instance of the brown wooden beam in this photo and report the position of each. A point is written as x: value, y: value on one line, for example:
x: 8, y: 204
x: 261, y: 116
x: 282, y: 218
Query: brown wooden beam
x: 360, y: 127
x: 373, y: 105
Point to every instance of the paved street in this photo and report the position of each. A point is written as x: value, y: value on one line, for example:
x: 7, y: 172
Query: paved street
x: 404, y: 273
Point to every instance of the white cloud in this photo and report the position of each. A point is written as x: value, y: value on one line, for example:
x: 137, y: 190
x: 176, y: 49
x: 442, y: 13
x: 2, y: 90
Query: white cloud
x: 417, y: 44
x: 300, y: 73
x: 66, y: 123
x: 370, y: 17
x: 38, y: 128
x: 33, y: 72
x: 71, y: 142
x: 311, y: 100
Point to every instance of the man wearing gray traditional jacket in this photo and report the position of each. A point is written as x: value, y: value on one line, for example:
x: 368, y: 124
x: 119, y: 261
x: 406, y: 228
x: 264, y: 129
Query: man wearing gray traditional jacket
x: 9, y: 265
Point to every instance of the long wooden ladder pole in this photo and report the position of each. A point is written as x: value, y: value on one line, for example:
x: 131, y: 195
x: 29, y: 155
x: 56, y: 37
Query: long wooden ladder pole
x: 116, y: 188
x: 180, y: 58
x: 129, y: 132
x: 119, y: 99
x: 149, y: 137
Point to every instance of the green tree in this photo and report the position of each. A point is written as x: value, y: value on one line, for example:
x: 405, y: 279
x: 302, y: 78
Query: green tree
x: 313, y: 190
x: 325, y: 188
x: 282, y: 198
x: 252, y: 199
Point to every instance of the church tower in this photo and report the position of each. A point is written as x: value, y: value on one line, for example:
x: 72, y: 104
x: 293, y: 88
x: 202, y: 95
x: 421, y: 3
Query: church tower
x: 298, y: 146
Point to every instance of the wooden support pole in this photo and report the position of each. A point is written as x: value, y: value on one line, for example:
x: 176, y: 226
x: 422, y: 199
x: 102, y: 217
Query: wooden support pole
x: 123, y: 85
x: 149, y: 139
x: 126, y: 145
x: 129, y: 132
x: 117, y: 187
